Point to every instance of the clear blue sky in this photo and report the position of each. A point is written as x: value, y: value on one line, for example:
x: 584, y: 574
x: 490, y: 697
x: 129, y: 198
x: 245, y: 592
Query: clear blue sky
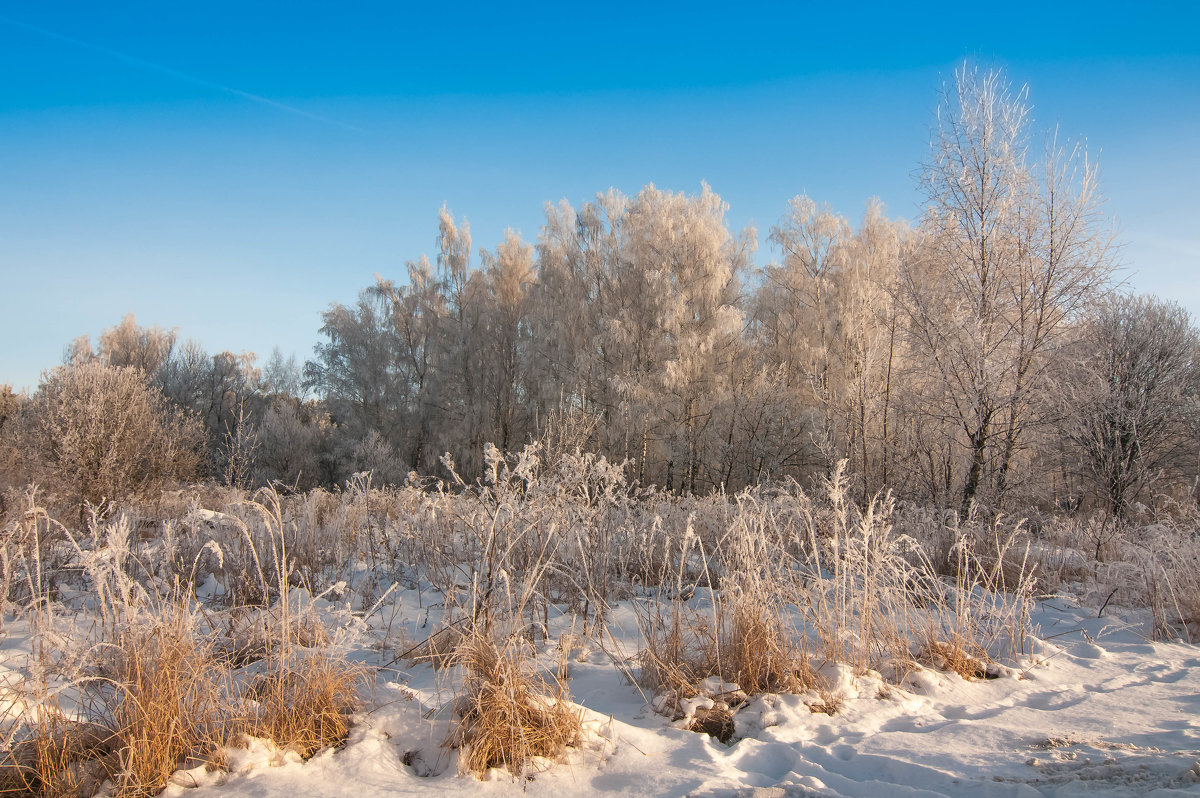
x: 230, y: 169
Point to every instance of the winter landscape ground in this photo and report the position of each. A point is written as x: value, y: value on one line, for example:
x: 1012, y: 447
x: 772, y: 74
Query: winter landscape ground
x: 549, y: 631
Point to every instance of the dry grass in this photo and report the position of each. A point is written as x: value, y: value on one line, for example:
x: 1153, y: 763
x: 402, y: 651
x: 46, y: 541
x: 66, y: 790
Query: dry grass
x: 162, y: 687
x: 437, y: 649
x: 749, y: 646
x: 954, y: 657
x: 166, y: 703
x: 159, y: 705
x: 305, y: 705
x: 507, y: 714
x: 829, y: 703
x: 758, y: 655
x: 60, y: 759
x: 251, y: 634
x: 746, y: 646
x: 676, y: 653
x: 747, y: 586
x: 174, y: 703
x: 170, y: 702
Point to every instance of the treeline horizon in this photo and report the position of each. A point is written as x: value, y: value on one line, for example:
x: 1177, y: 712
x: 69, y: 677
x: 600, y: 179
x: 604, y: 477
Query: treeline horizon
x: 981, y: 356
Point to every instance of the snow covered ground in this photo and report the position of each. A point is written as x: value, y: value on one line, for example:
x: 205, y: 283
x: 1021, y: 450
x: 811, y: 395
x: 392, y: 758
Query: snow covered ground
x: 1096, y: 709
x: 1089, y: 705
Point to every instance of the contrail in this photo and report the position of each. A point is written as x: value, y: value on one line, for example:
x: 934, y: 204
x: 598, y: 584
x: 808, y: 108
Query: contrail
x: 138, y: 62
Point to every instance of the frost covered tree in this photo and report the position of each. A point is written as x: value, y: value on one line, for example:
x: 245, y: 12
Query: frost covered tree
x: 231, y: 388
x: 638, y: 321
x: 1013, y: 250
x: 417, y: 314
x: 10, y: 405
x: 144, y: 348
x: 866, y: 347
x: 282, y: 376
x: 682, y: 319
x: 824, y: 317
x: 10, y: 409
x: 510, y: 278
x: 355, y: 370
x: 797, y: 306
x: 577, y: 295
x: 147, y: 349
x: 436, y: 364
x: 222, y: 390
x: 461, y: 420
x: 289, y: 438
x: 1132, y: 388
x: 183, y: 376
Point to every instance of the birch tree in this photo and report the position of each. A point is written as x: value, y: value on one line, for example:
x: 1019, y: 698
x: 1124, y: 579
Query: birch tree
x: 1009, y: 259
x: 797, y: 307
x: 866, y: 345
x: 510, y: 276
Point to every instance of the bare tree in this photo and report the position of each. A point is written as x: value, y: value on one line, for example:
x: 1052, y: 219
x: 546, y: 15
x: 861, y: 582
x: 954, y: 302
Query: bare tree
x: 144, y: 348
x: 1132, y: 389
x: 1009, y: 259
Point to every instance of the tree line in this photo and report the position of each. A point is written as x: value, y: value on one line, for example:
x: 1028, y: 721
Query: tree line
x: 982, y: 355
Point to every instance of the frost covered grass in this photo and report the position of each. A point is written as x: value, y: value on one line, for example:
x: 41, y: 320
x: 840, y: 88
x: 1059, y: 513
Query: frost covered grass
x: 160, y: 643
x: 152, y: 681
x: 304, y: 705
x: 508, y: 715
x: 163, y: 702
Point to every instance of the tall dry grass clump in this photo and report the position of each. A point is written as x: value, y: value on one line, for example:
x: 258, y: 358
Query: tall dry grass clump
x: 677, y: 646
x: 803, y: 579
x: 759, y: 655
x: 304, y: 705
x: 508, y: 715
x: 760, y: 646
x: 303, y: 699
x: 743, y: 641
x: 727, y: 643
x: 510, y: 523
x: 864, y: 583
x: 159, y: 684
x: 984, y: 611
x: 167, y: 704
x: 59, y: 757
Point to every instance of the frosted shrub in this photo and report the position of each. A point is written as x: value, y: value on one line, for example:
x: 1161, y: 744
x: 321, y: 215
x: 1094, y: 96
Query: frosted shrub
x: 97, y: 433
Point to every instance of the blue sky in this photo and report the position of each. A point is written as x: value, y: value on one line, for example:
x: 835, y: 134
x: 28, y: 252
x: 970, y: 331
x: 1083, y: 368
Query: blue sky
x: 230, y: 169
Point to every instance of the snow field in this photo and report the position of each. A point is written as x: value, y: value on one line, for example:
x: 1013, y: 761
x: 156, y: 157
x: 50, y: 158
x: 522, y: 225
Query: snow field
x: 576, y: 579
